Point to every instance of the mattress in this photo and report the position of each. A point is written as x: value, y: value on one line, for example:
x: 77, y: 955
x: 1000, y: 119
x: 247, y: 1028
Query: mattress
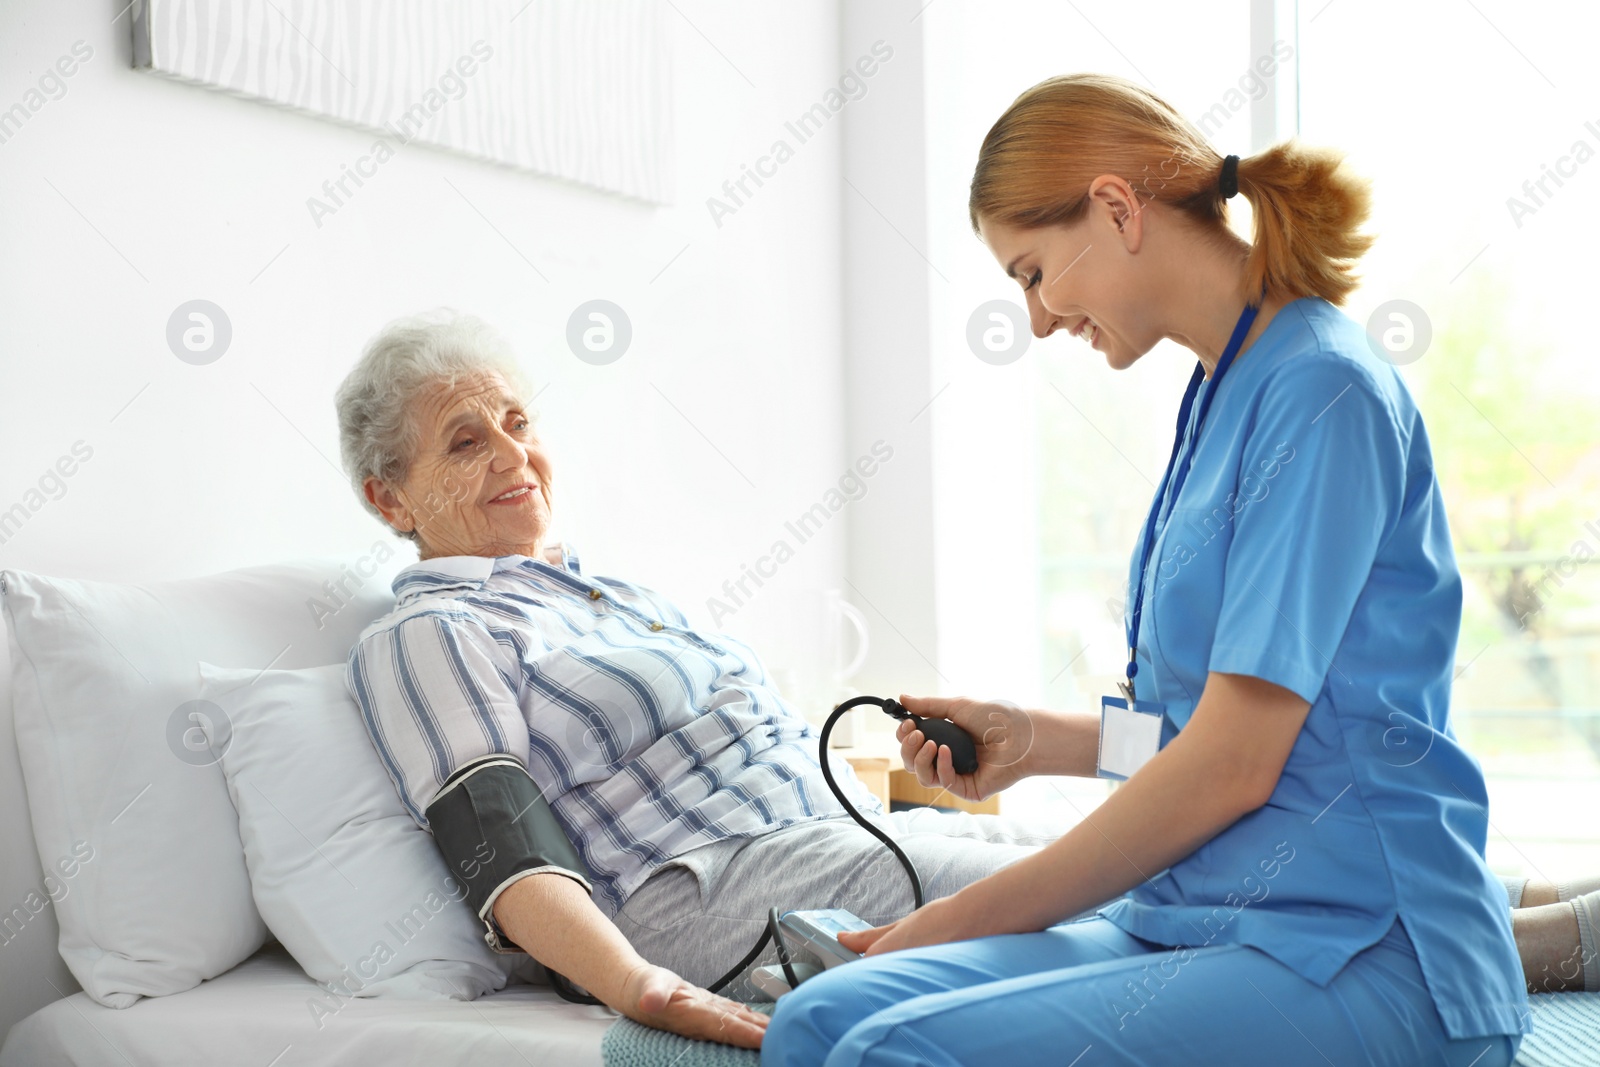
x: 261, y: 1013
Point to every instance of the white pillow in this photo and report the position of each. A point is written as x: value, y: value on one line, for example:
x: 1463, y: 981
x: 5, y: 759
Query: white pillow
x: 100, y: 672
x: 354, y: 889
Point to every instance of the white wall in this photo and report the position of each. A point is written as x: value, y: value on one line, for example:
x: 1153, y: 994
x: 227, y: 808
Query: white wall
x: 753, y: 385
x: 889, y: 381
x: 132, y: 194
x: 677, y: 465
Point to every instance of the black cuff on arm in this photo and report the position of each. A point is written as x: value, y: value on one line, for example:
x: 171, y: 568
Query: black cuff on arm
x: 494, y: 827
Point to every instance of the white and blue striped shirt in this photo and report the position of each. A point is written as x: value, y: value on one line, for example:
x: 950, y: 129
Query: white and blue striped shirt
x: 647, y: 738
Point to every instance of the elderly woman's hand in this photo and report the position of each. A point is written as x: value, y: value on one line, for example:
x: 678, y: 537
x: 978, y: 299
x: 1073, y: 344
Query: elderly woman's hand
x: 554, y: 920
x: 1003, y: 734
x: 657, y: 997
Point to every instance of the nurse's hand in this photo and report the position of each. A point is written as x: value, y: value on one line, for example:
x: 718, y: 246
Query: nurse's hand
x: 1003, y: 734
x: 937, y: 922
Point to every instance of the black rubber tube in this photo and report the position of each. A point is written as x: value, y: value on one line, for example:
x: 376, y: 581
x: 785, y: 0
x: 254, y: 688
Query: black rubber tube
x: 827, y: 776
x: 891, y: 707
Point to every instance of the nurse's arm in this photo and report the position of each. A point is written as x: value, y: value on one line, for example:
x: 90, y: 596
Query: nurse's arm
x: 1223, y: 765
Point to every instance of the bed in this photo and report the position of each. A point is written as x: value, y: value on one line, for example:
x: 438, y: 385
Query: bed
x: 257, y: 1014
x: 244, y: 999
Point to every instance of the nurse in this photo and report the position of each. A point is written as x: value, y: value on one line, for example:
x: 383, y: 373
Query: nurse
x: 1293, y: 871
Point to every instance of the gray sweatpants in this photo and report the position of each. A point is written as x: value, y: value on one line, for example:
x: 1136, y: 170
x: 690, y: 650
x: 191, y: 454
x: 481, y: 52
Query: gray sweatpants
x: 700, y: 913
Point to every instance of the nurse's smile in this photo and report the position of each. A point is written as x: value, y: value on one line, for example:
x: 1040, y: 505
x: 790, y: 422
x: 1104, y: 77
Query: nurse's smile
x: 1127, y: 275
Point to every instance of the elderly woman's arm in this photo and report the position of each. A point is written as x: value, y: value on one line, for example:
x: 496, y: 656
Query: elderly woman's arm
x: 552, y: 918
x: 436, y: 693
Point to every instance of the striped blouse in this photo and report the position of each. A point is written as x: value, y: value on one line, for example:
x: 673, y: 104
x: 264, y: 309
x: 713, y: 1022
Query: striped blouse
x: 647, y: 738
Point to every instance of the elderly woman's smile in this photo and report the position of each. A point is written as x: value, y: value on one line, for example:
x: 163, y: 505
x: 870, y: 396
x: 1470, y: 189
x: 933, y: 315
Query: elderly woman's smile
x: 476, y: 482
x: 452, y: 460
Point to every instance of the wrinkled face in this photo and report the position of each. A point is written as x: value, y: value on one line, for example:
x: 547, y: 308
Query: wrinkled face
x: 1085, y: 277
x: 479, y: 481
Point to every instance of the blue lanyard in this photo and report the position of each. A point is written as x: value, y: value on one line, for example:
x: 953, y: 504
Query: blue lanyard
x: 1247, y: 317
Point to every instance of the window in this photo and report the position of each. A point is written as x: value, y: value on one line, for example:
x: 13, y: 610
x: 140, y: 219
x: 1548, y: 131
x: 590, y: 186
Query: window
x: 1475, y: 123
x: 1045, y: 466
x: 1487, y: 212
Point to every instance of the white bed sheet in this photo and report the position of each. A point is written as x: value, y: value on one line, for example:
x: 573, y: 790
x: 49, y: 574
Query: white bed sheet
x: 258, y: 1014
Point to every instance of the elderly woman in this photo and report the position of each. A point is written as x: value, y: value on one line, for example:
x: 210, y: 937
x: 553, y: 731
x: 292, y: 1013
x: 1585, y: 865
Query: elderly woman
x: 690, y: 789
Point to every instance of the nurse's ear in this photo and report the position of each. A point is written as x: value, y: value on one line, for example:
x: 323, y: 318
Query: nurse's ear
x: 1114, y: 204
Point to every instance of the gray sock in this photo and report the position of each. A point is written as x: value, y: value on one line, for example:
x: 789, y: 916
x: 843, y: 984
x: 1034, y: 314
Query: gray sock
x: 1587, y: 907
x: 1576, y: 888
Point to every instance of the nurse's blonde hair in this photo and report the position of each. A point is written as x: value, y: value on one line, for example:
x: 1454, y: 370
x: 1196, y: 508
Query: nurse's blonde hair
x: 1036, y: 164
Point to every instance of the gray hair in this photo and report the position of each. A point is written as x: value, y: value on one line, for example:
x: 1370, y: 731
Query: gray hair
x: 377, y: 434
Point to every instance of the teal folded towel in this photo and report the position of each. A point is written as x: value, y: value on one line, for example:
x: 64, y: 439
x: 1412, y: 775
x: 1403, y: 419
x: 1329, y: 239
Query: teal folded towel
x: 627, y: 1044
x: 1566, y: 1031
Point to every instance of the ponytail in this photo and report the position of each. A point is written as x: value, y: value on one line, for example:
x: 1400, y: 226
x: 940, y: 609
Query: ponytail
x: 1036, y: 163
x: 1308, y: 209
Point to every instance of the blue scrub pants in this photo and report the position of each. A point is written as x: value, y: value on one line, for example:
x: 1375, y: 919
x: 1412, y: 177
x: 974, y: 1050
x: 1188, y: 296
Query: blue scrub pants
x: 1085, y: 993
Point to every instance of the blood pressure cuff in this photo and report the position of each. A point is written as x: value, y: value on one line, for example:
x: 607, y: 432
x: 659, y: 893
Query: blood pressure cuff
x: 494, y: 827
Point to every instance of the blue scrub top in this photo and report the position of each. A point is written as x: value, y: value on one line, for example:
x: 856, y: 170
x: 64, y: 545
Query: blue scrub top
x: 1309, y: 547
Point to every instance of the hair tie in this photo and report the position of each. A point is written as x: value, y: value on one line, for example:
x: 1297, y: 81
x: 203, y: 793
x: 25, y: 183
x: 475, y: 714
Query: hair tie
x: 1229, y: 182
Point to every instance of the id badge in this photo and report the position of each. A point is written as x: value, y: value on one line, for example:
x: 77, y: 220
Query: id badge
x: 1128, y: 737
